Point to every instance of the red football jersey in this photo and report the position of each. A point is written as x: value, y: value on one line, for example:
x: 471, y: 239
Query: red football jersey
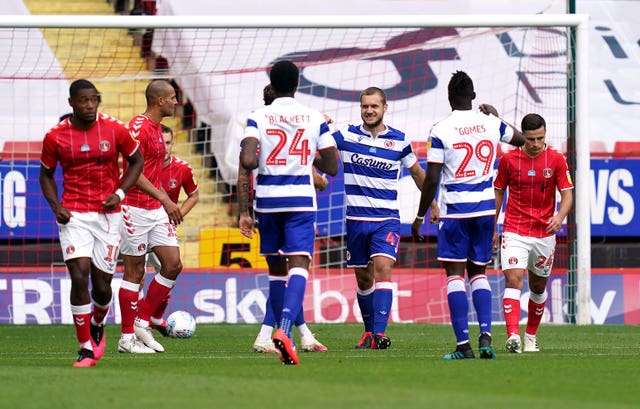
x: 178, y: 174
x: 149, y: 134
x: 89, y: 160
x: 532, y: 184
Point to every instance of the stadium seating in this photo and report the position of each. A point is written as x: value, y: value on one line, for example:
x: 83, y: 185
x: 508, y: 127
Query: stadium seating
x: 21, y: 151
x: 627, y: 148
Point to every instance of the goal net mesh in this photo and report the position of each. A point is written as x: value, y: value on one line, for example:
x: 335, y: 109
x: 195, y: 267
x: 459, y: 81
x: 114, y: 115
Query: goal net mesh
x: 220, y: 74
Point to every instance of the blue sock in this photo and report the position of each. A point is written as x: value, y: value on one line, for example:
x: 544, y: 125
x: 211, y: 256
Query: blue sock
x: 269, y: 317
x: 481, y: 296
x: 277, y: 289
x: 459, y: 308
x: 382, y: 299
x: 300, y: 318
x: 365, y: 302
x: 293, y: 297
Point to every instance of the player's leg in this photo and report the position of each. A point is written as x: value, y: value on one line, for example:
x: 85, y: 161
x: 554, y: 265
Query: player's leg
x: 163, y: 242
x: 453, y: 247
x: 359, y: 258
x: 77, y: 242
x: 540, y: 264
x: 157, y: 321
x: 135, y: 240
x: 298, y: 248
x: 514, y: 254
x: 384, y: 247
x: 106, y: 232
x: 277, y: 285
x: 480, y: 230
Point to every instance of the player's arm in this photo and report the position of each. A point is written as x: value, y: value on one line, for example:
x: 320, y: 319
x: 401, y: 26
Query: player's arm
x: 518, y: 137
x: 429, y: 188
x: 566, y: 201
x: 172, y: 209
x: 499, y: 193
x: 132, y: 173
x: 50, y: 192
x: 327, y: 162
x: 248, y: 162
x: 189, y: 203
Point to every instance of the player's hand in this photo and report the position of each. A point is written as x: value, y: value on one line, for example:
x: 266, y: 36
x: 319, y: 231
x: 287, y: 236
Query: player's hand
x: 554, y: 225
x: 246, y: 224
x: 496, y: 241
x: 434, y: 215
x: 327, y: 119
x: 63, y: 215
x: 320, y: 182
x: 488, y: 109
x: 173, y: 211
x: 415, y: 230
x: 111, y: 202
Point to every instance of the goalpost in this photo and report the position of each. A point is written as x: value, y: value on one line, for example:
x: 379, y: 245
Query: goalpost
x: 519, y: 63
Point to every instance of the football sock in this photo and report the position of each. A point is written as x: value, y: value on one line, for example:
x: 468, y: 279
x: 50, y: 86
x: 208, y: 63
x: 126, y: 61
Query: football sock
x: 293, y: 296
x: 159, y: 289
x: 458, y: 307
x: 99, y: 312
x: 269, y: 317
x: 365, y: 302
x: 511, y: 309
x: 277, y: 287
x: 159, y: 313
x: 536, y: 311
x: 481, y: 296
x: 81, y: 319
x: 382, y: 299
x: 128, y: 300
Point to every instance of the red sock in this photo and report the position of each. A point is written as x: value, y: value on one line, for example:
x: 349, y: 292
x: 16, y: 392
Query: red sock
x: 81, y: 323
x: 511, y: 308
x: 128, y: 300
x: 535, y: 316
x: 162, y: 308
x: 155, y: 296
x: 99, y: 313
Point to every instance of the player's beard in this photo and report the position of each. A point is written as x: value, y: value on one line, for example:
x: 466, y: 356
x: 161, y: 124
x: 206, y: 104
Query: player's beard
x: 372, y: 125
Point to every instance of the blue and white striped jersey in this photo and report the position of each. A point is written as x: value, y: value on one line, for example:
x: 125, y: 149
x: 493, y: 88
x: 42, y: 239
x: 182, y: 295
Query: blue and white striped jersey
x: 466, y: 143
x: 372, y: 170
x: 289, y: 134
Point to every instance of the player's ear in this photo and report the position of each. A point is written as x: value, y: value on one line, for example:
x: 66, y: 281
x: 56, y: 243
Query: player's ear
x: 473, y: 96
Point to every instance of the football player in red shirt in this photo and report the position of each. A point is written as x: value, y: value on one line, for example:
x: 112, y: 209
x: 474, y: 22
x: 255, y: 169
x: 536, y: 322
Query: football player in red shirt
x: 87, y: 146
x: 147, y: 226
x: 176, y: 175
x: 532, y: 173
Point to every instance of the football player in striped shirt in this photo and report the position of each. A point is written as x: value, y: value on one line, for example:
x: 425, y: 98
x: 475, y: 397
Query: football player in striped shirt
x: 288, y: 135
x: 373, y: 155
x: 461, y: 161
x: 533, y: 174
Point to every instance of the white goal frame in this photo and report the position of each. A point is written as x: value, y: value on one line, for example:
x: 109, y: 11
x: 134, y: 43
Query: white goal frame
x: 579, y: 22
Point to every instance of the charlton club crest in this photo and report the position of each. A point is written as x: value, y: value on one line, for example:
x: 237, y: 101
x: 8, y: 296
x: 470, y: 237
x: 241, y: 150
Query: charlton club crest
x: 547, y: 173
x: 173, y: 183
x: 104, y: 146
x: 70, y: 250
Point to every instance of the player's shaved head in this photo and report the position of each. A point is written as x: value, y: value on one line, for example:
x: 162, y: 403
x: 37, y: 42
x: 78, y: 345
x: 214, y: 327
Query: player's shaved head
x: 157, y: 89
x: 284, y: 77
x: 268, y: 95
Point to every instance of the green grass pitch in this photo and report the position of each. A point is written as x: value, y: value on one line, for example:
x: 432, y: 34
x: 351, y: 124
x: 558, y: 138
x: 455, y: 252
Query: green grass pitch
x: 578, y: 367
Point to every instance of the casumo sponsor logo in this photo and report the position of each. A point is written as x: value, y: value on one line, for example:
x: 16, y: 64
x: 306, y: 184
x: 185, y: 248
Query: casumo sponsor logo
x: 370, y: 162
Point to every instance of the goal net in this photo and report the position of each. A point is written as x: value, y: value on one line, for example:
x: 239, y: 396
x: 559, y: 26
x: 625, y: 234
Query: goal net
x: 519, y: 64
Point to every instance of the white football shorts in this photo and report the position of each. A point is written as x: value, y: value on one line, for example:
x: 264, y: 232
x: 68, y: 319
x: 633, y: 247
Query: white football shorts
x: 144, y: 229
x: 530, y: 253
x: 93, y: 235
